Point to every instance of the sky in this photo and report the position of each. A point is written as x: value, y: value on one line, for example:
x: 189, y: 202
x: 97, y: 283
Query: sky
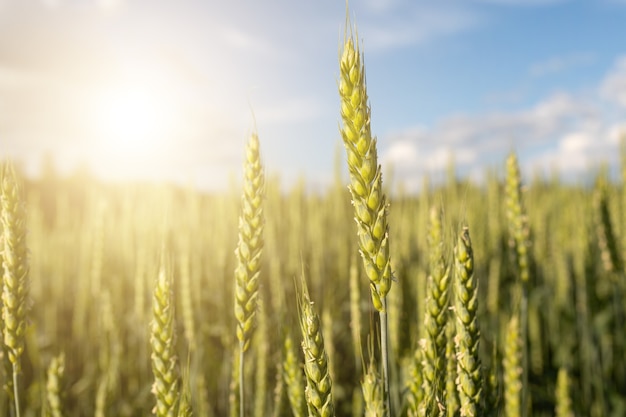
x: 171, y: 90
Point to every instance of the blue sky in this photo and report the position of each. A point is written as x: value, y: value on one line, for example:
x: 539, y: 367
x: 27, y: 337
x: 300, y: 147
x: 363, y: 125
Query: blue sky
x: 166, y: 90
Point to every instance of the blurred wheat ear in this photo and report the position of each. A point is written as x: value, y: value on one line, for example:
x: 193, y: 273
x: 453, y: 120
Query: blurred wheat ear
x: 166, y: 386
x: 15, y: 274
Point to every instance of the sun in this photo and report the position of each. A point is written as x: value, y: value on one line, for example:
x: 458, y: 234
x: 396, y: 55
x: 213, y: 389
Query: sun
x: 134, y: 126
x: 130, y: 120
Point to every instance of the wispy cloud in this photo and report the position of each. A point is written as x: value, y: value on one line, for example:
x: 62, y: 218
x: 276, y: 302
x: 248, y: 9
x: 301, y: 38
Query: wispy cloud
x: 389, y: 24
x: 613, y: 87
x: 558, y: 64
x: 240, y: 39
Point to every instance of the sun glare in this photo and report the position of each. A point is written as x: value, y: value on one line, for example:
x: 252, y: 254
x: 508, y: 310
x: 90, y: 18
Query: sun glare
x: 130, y: 120
x: 134, y: 124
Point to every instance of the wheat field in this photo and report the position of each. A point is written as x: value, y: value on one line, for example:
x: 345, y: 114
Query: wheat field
x: 499, y: 298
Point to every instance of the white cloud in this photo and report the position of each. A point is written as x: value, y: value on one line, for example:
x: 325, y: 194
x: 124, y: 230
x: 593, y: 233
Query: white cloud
x: 617, y: 132
x: 402, y: 153
x: 577, y: 151
x: 561, y: 130
x: 576, y: 142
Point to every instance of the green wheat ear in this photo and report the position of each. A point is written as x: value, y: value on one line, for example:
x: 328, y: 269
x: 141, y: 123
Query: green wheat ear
x: 563, y: 406
x: 469, y: 378
x: 435, y: 320
x: 373, y: 395
x: 518, y: 223
x: 512, y: 364
x: 250, y: 244
x: 365, y: 173
x: 318, y: 391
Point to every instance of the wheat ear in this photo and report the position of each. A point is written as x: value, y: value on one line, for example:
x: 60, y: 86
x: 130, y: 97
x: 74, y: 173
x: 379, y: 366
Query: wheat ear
x: 469, y: 378
x: 515, y: 214
x: 563, y: 397
x: 248, y: 255
x: 293, y: 376
x: 607, y: 241
x: 318, y: 391
x: 512, y: 369
x: 370, y: 205
x: 451, y: 394
x: 415, y: 383
x: 15, y: 273
x: 166, y: 387
x: 56, y: 370
x: 435, y: 320
x: 373, y: 392
x: 518, y: 228
x: 369, y: 202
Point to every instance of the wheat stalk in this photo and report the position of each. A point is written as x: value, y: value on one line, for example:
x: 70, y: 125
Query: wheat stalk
x: 110, y: 354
